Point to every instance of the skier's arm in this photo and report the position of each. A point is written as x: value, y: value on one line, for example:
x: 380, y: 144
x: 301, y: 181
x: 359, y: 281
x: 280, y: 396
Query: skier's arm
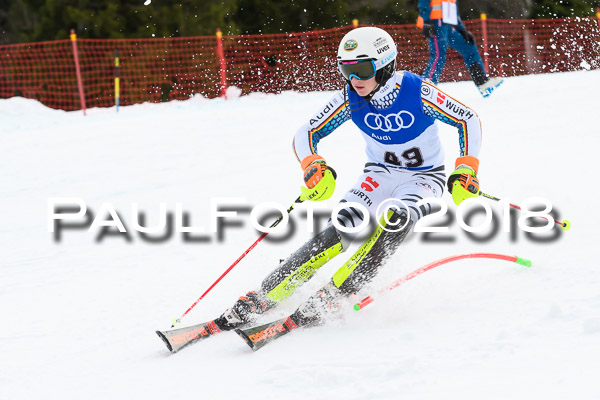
x: 445, y: 108
x: 329, y: 117
x: 463, y: 182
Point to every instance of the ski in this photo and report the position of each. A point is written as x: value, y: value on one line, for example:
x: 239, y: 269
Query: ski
x: 177, y: 339
x: 259, y: 336
x: 310, y: 313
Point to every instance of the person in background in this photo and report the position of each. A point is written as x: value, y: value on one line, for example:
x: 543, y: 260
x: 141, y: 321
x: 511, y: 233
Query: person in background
x: 443, y: 27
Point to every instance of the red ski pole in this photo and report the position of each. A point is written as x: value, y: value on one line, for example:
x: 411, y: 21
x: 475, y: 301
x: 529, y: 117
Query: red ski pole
x: 368, y: 300
x: 289, y: 210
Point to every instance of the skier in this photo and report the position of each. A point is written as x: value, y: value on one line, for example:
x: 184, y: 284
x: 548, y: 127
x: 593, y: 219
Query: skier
x: 396, y: 113
x: 442, y: 26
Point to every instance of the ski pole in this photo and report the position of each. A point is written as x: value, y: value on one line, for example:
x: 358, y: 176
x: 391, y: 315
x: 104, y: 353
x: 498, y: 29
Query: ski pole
x: 368, y: 300
x: 273, y: 225
x: 564, y: 225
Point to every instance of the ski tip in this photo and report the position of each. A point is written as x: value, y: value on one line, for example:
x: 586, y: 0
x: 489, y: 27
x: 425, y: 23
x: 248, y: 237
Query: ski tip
x: 523, y: 261
x: 164, y: 339
x: 566, y: 225
x: 357, y: 307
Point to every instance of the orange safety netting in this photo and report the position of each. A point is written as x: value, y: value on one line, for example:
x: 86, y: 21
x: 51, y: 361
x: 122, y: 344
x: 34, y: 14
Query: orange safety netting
x: 155, y: 70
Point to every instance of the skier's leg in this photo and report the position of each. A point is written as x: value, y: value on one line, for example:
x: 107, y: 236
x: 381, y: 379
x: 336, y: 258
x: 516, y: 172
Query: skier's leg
x: 302, y: 265
x: 285, y: 279
x: 374, y: 252
x: 358, y: 270
x: 386, y: 238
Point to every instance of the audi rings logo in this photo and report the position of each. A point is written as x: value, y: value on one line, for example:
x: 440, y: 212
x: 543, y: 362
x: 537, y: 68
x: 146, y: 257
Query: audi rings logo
x: 391, y: 122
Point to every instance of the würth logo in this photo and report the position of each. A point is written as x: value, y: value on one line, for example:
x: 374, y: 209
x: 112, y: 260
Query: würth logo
x: 440, y: 98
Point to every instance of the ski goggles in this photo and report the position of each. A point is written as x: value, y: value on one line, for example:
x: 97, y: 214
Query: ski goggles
x: 359, y: 69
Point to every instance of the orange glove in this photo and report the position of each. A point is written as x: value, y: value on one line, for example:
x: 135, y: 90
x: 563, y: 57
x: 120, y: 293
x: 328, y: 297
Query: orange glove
x: 314, y: 167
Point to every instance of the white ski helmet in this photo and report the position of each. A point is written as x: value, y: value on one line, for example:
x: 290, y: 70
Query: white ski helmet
x: 367, y: 44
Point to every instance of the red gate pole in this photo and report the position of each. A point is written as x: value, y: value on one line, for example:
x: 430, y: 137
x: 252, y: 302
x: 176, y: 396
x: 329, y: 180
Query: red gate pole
x: 368, y: 300
x: 484, y: 42
x: 222, y: 64
x: 77, y: 70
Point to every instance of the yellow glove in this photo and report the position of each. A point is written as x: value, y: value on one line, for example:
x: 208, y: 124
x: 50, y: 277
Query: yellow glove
x: 463, y: 182
x: 318, y: 177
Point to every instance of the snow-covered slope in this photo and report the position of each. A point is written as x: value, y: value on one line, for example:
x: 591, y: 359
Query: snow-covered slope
x: 78, y: 316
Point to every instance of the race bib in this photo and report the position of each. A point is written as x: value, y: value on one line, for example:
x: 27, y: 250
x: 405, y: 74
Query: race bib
x: 449, y: 12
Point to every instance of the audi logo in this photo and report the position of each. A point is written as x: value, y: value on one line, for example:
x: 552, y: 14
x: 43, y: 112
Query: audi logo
x: 391, y: 122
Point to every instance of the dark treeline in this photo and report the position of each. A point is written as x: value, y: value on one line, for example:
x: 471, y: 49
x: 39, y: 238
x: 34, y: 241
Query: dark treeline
x: 40, y: 20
